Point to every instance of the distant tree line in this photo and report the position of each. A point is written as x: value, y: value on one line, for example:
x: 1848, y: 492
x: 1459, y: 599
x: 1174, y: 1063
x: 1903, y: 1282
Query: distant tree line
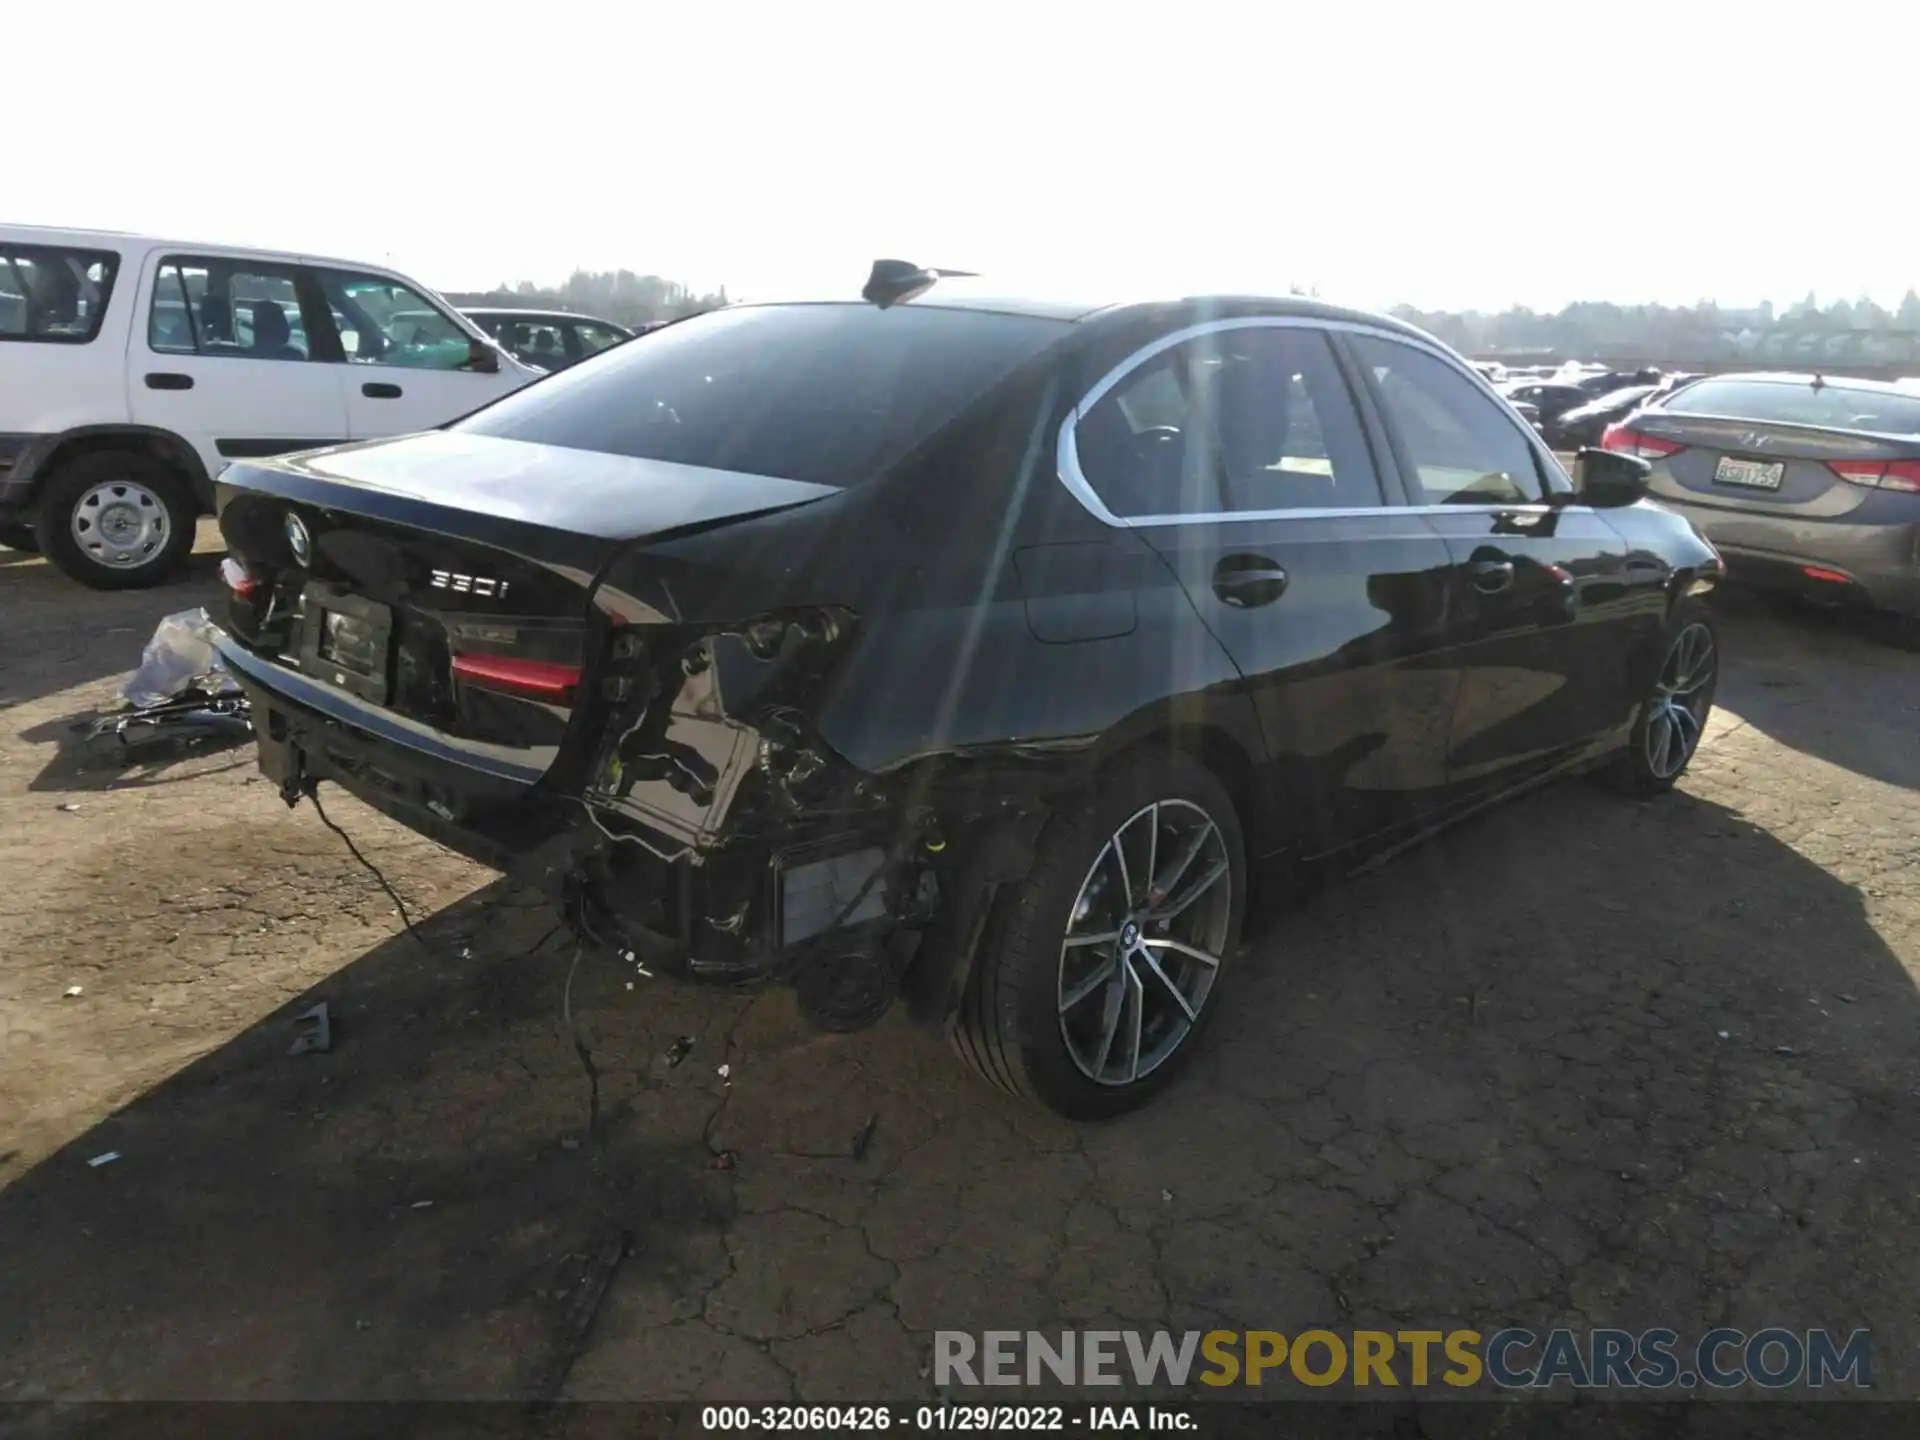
x: 1846, y: 333
x: 1857, y: 333
x: 617, y: 295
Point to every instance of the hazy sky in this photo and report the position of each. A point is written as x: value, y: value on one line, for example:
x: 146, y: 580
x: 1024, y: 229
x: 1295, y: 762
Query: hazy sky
x: 1476, y: 153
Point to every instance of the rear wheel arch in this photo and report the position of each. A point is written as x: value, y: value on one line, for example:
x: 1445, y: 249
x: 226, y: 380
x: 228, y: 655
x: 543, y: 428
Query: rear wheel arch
x: 1226, y: 756
x: 160, y: 445
x: 1008, y: 1026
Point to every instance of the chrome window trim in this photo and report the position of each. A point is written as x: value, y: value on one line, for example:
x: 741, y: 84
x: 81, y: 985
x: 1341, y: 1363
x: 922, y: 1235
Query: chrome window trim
x: 1067, y: 450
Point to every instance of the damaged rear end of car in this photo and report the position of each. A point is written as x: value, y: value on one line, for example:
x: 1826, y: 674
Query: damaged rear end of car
x: 598, y: 636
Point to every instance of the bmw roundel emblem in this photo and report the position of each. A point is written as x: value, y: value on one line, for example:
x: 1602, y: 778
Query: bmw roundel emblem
x: 298, y: 540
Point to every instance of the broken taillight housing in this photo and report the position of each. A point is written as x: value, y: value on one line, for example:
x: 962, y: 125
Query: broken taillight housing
x: 241, y: 583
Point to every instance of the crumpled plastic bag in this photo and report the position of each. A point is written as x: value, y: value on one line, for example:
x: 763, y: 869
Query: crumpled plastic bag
x: 179, y: 660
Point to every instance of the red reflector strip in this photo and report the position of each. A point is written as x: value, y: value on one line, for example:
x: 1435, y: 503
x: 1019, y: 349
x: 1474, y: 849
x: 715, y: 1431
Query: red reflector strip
x: 529, y: 679
x: 1820, y: 572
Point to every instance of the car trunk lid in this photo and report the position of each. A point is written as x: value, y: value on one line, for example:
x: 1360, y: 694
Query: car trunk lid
x: 447, y: 579
x: 1759, y: 465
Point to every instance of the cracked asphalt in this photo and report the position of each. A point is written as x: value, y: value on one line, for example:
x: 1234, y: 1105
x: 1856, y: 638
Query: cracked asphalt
x: 1584, y: 1062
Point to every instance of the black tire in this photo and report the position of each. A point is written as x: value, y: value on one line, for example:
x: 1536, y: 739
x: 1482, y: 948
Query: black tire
x: 1635, y: 771
x: 1009, y: 1027
x: 153, y: 493
x: 16, y: 535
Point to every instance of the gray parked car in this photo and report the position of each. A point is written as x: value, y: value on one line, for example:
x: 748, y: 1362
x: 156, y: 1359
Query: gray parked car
x: 549, y: 339
x: 1799, y: 481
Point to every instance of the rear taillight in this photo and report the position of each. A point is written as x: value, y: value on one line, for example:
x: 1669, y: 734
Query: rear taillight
x: 1903, y: 475
x: 1632, y: 442
x: 544, y: 680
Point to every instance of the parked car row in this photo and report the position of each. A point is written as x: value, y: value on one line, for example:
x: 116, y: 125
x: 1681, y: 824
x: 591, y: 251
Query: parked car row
x: 549, y: 340
x: 1573, y: 414
x: 133, y: 370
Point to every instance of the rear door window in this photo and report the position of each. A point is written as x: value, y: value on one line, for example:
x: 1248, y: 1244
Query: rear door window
x: 595, y: 338
x: 1464, y: 448
x: 826, y: 393
x: 54, y: 295
x: 537, y: 341
x: 1832, y: 406
x: 1240, y: 420
x: 242, y: 309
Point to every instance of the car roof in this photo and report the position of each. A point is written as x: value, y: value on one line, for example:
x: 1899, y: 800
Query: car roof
x: 122, y: 239
x: 973, y: 293
x: 1791, y: 377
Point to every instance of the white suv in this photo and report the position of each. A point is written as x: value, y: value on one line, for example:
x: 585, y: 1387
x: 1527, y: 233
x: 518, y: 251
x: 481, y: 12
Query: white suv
x: 132, y: 370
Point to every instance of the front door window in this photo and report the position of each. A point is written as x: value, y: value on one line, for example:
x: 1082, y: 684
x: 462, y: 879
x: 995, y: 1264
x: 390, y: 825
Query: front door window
x: 383, y: 322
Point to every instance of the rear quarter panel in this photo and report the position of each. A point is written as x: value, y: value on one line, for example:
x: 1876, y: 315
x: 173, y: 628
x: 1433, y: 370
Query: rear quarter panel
x: 1006, y: 643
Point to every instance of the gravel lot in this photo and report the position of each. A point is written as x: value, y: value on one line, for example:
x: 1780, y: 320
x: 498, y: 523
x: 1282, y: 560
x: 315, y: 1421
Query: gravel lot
x: 1583, y: 1062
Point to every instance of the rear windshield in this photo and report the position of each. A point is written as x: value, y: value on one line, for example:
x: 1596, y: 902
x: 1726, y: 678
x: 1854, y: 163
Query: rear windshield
x: 829, y: 394
x: 1835, y: 407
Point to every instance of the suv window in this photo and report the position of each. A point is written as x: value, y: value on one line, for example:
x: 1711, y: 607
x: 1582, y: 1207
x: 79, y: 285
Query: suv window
x: 54, y: 296
x: 827, y: 393
x: 1246, y: 419
x: 242, y: 309
x: 595, y: 338
x: 382, y: 322
x: 1464, y: 448
x: 538, y: 342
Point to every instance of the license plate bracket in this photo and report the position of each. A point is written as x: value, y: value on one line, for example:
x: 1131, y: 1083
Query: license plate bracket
x: 346, y: 640
x: 1749, y: 474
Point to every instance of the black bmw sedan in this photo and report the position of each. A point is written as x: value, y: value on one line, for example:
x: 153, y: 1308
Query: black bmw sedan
x: 973, y: 650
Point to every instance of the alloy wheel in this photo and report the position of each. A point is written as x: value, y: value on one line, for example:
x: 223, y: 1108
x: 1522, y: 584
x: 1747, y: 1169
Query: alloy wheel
x: 120, y: 524
x: 1144, y: 941
x: 1678, y: 709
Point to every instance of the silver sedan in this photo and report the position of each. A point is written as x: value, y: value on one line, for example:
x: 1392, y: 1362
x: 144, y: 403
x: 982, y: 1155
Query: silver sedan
x: 1799, y: 481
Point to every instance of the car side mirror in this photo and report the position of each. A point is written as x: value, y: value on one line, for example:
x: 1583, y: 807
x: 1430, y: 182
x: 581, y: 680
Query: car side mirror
x: 1607, y: 479
x: 482, y: 358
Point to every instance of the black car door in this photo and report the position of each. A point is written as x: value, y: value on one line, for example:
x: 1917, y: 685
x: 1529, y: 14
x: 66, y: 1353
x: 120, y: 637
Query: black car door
x: 1237, y: 451
x: 1550, y: 600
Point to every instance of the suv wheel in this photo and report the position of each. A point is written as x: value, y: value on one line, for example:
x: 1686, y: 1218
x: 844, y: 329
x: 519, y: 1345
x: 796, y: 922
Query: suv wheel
x: 1099, y: 972
x: 1674, y: 716
x: 16, y: 536
x: 116, y: 520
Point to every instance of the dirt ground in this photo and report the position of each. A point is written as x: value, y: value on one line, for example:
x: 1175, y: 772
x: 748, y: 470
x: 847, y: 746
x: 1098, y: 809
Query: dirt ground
x: 1584, y: 1062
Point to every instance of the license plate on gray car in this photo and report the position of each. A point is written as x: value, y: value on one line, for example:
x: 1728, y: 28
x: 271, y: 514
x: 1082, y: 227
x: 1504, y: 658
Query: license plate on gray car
x: 1754, y: 474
